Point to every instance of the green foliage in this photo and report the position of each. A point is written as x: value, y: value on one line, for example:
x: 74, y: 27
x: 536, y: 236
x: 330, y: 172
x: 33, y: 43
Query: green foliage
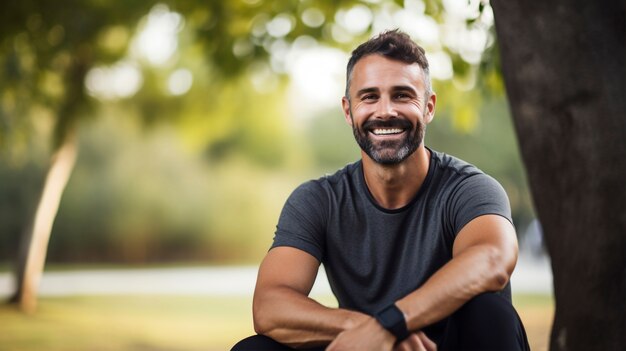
x: 45, y: 52
x: 47, y: 49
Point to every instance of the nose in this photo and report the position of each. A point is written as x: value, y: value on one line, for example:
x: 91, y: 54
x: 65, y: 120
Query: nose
x: 385, y: 108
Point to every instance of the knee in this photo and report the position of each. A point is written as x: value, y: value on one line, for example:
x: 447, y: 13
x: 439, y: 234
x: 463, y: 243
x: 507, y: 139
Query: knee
x: 489, y: 322
x: 264, y: 343
x: 489, y: 309
x: 258, y: 343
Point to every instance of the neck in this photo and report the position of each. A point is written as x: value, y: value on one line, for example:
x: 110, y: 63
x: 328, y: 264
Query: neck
x: 394, y: 186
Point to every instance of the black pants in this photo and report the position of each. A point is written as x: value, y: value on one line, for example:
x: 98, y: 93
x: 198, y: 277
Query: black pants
x: 487, y: 322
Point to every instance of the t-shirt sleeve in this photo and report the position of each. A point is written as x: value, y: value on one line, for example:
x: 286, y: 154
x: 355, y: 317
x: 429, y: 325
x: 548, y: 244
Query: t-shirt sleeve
x: 302, y: 222
x: 474, y: 196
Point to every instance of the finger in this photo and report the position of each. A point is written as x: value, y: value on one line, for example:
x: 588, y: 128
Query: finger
x: 429, y: 345
x: 332, y: 346
x: 412, y: 343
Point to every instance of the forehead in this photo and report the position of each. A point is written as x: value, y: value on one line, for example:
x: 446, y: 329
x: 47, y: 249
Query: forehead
x: 377, y: 71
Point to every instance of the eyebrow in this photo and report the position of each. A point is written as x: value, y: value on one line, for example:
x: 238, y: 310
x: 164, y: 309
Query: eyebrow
x: 404, y: 88
x: 367, y: 90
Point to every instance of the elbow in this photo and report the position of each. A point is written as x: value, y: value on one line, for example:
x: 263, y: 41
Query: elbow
x: 260, y: 320
x: 264, y: 326
x: 500, y: 268
x: 261, y: 326
x: 499, y: 280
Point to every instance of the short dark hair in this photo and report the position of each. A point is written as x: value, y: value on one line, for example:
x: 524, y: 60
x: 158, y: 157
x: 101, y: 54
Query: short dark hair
x: 395, y: 45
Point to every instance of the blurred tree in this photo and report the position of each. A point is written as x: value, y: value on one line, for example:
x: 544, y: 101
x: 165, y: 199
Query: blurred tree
x: 564, y: 64
x: 47, y: 51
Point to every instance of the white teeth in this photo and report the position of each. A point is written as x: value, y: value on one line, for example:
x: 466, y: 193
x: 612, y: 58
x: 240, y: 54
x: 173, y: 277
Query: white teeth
x: 379, y: 131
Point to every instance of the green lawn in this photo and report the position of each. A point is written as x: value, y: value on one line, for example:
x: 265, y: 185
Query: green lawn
x: 147, y: 322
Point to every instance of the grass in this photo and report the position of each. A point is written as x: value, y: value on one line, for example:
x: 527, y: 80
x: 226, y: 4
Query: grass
x: 536, y: 312
x: 127, y: 323
x: 154, y: 322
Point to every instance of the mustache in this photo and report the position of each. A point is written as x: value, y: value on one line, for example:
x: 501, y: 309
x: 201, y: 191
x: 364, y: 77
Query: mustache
x: 389, y: 123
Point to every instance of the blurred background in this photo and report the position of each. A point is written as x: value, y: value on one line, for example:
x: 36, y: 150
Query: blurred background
x: 188, y: 124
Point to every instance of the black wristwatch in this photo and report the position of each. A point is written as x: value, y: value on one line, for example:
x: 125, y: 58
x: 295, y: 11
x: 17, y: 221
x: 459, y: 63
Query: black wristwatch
x: 392, y: 319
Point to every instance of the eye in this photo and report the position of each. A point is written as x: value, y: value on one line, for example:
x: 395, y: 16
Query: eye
x: 402, y: 96
x: 369, y: 97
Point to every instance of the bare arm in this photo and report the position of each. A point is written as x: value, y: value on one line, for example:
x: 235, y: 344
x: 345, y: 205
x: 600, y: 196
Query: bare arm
x: 484, y: 256
x: 282, y: 309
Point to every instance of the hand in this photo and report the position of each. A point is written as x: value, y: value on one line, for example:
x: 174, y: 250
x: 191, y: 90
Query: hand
x: 369, y: 335
x: 416, y: 342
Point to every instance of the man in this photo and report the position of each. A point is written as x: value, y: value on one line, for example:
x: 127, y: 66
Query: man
x: 418, y: 246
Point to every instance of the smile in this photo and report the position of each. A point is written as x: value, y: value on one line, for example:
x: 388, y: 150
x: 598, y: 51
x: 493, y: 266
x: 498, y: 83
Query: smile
x: 386, y: 131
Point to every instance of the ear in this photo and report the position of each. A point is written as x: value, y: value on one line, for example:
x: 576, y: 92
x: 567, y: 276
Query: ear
x: 345, y: 106
x: 430, y: 108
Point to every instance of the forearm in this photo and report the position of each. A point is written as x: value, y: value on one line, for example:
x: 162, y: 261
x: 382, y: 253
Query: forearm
x: 296, y: 320
x: 478, y: 269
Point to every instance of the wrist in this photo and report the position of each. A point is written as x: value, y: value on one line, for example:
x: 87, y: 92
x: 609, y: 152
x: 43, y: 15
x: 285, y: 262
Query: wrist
x: 354, y: 319
x: 392, y: 319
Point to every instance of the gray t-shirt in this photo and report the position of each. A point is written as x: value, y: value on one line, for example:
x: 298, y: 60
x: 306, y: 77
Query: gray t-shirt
x: 374, y: 256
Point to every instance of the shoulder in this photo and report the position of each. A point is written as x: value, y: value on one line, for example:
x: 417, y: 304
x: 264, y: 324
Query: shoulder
x: 468, y: 191
x: 342, y: 178
x: 453, y: 166
x: 449, y: 173
x: 349, y: 172
x: 327, y: 186
x: 459, y: 174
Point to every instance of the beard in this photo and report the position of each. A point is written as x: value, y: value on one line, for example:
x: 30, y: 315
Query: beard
x: 389, y: 152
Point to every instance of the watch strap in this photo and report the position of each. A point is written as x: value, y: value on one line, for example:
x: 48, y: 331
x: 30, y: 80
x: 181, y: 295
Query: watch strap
x: 392, y: 319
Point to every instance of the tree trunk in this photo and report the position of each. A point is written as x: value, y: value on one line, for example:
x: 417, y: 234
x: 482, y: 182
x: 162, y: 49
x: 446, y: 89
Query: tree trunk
x: 564, y: 68
x: 35, y: 242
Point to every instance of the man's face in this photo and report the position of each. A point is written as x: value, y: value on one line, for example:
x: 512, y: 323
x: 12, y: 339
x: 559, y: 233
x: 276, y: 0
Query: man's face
x: 388, y: 109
